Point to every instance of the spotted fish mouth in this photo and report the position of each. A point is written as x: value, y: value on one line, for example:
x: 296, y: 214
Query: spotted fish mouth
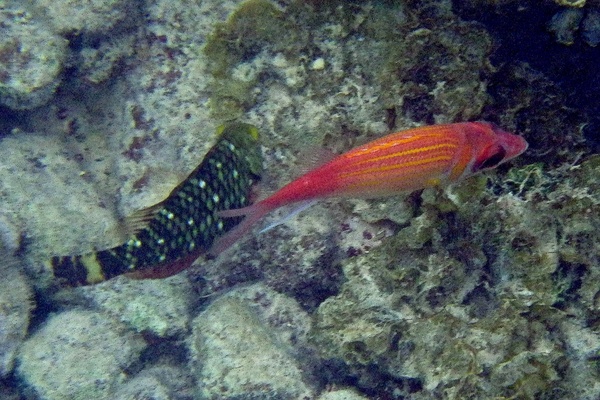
x: 172, y: 234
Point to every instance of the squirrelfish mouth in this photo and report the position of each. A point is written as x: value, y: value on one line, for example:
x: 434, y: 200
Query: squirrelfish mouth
x: 514, y: 145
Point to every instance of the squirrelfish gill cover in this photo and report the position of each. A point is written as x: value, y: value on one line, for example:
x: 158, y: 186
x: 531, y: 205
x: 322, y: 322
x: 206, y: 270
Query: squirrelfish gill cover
x: 399, y: 162
x: 169, y: 236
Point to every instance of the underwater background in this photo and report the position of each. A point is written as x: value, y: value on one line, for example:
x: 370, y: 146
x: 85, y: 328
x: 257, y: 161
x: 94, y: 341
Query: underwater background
x: 487, y: 289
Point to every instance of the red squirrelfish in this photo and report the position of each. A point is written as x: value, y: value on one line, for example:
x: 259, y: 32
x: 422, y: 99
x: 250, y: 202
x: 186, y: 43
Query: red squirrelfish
x: 397, y: 163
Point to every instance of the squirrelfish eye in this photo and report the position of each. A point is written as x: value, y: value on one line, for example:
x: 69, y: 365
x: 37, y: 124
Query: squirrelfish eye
x: 491, y: 157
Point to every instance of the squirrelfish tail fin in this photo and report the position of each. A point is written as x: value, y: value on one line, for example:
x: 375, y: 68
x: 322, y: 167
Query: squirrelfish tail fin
x: 253, y: 214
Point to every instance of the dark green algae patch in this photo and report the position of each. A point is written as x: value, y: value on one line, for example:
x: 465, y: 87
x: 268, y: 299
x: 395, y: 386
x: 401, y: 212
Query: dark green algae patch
x: 253, y: 25
x: 398, y: 45
x: 487, y: 300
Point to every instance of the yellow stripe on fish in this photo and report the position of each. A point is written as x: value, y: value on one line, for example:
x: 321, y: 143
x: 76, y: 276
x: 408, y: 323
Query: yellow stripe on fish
x: 397, y: 163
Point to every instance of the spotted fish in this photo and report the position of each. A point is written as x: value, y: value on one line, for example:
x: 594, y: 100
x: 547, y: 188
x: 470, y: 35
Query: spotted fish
x: 169, y: 236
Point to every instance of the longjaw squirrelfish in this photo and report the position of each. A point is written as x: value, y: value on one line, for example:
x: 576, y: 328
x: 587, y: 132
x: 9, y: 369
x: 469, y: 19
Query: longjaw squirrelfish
x: 400, y: 162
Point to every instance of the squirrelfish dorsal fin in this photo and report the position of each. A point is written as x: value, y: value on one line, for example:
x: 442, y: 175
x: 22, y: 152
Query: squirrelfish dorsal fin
x: 139, y: 220
x: 312, y: 158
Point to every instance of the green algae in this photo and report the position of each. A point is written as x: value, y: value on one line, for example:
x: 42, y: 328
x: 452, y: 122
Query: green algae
x: 523, y: 179
x: 254, y: 24
x: 386, y: 315
x: 472, y: 308
x: 252, y: 27
x: 587, y: 173
x: 470, y: 191
x: 392, y: 49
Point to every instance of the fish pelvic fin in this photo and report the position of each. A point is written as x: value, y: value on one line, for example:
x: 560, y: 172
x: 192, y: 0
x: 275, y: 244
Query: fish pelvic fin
x: 252, y: 215
x: 303, y: 205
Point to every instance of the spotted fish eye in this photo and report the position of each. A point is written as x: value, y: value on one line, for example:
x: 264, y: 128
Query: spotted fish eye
x: 491, y: 157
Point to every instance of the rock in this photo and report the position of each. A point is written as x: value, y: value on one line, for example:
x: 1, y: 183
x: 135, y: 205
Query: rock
x: 16, y: 305
x: 564, y: 24
x: 590, y: 29
x: 343, y: 394
x: 234, y: 355
x: 157, y: 306
x: 31, y: 60
x: 88, y: 17
x: 157, y: 383
x: 77, y: 355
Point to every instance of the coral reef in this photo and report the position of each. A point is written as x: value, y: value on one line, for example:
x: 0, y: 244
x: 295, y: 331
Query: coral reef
x: 395, y: 83
x: 393, y: 79
x: 486, y: 289
x: 458, y: 305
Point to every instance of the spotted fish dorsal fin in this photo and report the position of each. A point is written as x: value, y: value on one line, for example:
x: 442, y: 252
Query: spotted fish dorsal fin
x: 138, y: 221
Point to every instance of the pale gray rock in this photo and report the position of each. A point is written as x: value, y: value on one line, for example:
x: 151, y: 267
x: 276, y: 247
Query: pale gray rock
x: 157, y: 383
x: 31, y: 59
x: 234, y: 355
x: 77, y: 355
x: 157, y: 306
x: 92, y: 16
x: 16, y: 305
x: 342, y: 394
